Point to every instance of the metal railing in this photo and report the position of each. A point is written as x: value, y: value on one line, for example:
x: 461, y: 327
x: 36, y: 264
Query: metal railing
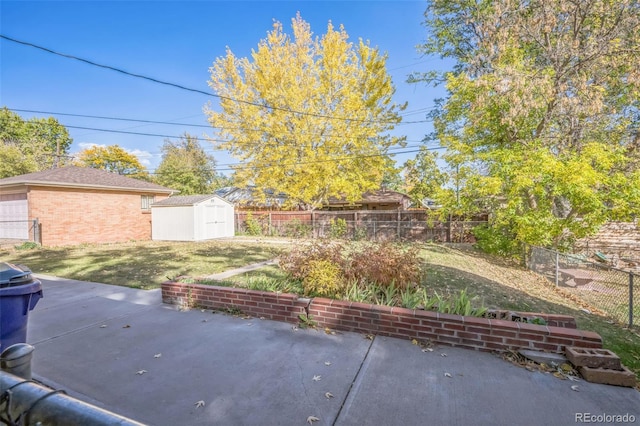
x: 600, y: 285
x: 25, y: 402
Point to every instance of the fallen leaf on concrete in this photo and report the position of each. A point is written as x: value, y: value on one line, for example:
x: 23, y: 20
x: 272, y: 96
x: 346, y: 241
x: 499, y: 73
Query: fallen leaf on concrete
x: 443, y: 354
x: 317, y: 378
x: 141, y: 372
x: 262, y: 318
x: 327, y: 330
x: 199, y: 404
x: 249, y: 324
x: 157, y: 355
x: 414, y: 342
x: 328, y: 395
x: 126, y: 326
x: 327, y: 363
x: 312, y: 419
x: 103, y: 326
x: 368, y: 336
x: 573, y: 378
x: 447, y: 375
x: 201, y: 310
x: 559, y: 375
x: 575, y: 388
x: 294, y: 328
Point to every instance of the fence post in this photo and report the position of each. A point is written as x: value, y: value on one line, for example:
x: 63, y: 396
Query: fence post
x: 398, y: 226
x: 36, y: 231
x: 630, y: 299
x: 270, y: 231
x: 557, y: 268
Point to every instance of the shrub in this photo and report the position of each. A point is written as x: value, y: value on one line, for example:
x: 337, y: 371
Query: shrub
x: 27, y: 245
x: 386, y: 264
x: 296, y: 262
x: 323, y: 278
x: 338, y: 228
x: 252, y: 225
x: 494, y: 241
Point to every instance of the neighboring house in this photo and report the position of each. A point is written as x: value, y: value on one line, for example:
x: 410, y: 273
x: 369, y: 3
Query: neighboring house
x: 77, y: 205
x: 192, y: 218
x: 246, y: 198
x: 381, y: 199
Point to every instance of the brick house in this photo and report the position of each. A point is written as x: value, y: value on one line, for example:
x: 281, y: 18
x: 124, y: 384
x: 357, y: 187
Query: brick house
x: 75, y: 205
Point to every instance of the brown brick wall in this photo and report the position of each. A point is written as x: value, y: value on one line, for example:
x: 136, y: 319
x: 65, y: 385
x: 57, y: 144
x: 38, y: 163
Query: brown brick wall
x: 454, y: 330
x: 74, y: 216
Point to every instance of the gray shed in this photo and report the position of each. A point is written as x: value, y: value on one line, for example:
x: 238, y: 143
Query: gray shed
x: 192, y: 218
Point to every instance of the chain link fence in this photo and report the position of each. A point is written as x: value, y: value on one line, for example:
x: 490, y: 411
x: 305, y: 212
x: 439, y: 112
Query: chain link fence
x: 609, y: 289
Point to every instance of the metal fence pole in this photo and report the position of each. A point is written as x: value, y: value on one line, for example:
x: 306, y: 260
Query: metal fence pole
x: 30, y: 403
x: 557, y: 268
x: 630, y: 299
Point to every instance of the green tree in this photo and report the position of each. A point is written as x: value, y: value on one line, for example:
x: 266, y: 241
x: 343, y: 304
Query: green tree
x: 423, y: 177
x: 13, y: 162
x: 114, y: 159
x: 542, y: 111
x: 187, y: 167
x: 42, y: 141
x: 335, y: 143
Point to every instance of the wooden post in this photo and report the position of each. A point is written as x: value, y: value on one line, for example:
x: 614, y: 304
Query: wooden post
x: 398, y: 226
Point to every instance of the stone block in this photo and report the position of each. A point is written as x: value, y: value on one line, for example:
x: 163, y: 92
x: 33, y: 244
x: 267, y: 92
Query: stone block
x: 593, y: 358
x: 605, y: 376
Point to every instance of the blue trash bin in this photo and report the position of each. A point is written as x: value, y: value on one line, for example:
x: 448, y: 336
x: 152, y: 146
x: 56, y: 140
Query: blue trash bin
x: 19, y: 294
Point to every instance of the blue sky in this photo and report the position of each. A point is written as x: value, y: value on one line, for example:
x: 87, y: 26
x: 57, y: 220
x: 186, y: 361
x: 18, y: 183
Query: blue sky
x: 178, y: 42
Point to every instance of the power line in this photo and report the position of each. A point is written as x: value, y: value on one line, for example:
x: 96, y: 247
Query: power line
x: 233, y: 167
x: 100, y: 117
x: 181, y: 87
x: 149, y: 122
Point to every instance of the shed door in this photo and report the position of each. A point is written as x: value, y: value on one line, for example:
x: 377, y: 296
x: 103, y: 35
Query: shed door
x: 215, y: 221
x: 14, y: 215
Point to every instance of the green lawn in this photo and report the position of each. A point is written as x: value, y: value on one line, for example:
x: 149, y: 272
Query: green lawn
x: 141, y: 264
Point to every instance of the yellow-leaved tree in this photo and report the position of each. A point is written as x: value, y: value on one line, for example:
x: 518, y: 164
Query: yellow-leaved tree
x: 307, y: 116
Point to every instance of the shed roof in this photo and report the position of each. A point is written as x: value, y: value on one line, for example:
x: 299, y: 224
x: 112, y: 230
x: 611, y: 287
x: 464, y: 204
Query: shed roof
x: 185, y: 200
x: 84, y: 177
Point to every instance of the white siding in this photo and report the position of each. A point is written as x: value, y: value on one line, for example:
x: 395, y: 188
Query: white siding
x: 213, y: 218
x: 13, y: 219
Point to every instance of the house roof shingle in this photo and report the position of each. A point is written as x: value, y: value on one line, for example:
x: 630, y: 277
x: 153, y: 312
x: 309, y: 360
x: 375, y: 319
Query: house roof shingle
x: 84, y: 177
x: 184, y: 200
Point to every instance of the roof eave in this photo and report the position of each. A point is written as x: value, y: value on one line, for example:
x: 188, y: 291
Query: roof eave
x: 89, y: 186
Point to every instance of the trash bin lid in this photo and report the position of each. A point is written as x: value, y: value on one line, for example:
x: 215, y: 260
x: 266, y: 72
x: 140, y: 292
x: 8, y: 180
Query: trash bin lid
x: 11, y: 274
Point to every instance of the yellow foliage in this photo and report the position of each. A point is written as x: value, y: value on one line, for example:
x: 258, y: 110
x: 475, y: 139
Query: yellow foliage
x: 323, y: 278
x: 306, y: 116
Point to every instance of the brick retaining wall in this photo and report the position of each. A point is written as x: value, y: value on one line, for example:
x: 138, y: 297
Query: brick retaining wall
x: 455, y: 330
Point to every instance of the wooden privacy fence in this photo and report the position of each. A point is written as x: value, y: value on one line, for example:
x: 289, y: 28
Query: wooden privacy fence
x: 356, y: 224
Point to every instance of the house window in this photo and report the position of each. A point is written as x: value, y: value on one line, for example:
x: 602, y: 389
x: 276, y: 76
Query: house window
x: 146, y: 201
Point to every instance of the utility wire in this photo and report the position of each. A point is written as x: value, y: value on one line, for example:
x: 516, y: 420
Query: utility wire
x: 147, y: 121
x: 181, y: 87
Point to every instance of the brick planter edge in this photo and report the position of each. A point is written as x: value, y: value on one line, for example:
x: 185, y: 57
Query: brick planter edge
x: 454, y: 330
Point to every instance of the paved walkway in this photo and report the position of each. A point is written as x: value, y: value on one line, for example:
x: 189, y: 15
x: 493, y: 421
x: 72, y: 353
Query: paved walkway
x: 231, y: 272
x: 93, y: 340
